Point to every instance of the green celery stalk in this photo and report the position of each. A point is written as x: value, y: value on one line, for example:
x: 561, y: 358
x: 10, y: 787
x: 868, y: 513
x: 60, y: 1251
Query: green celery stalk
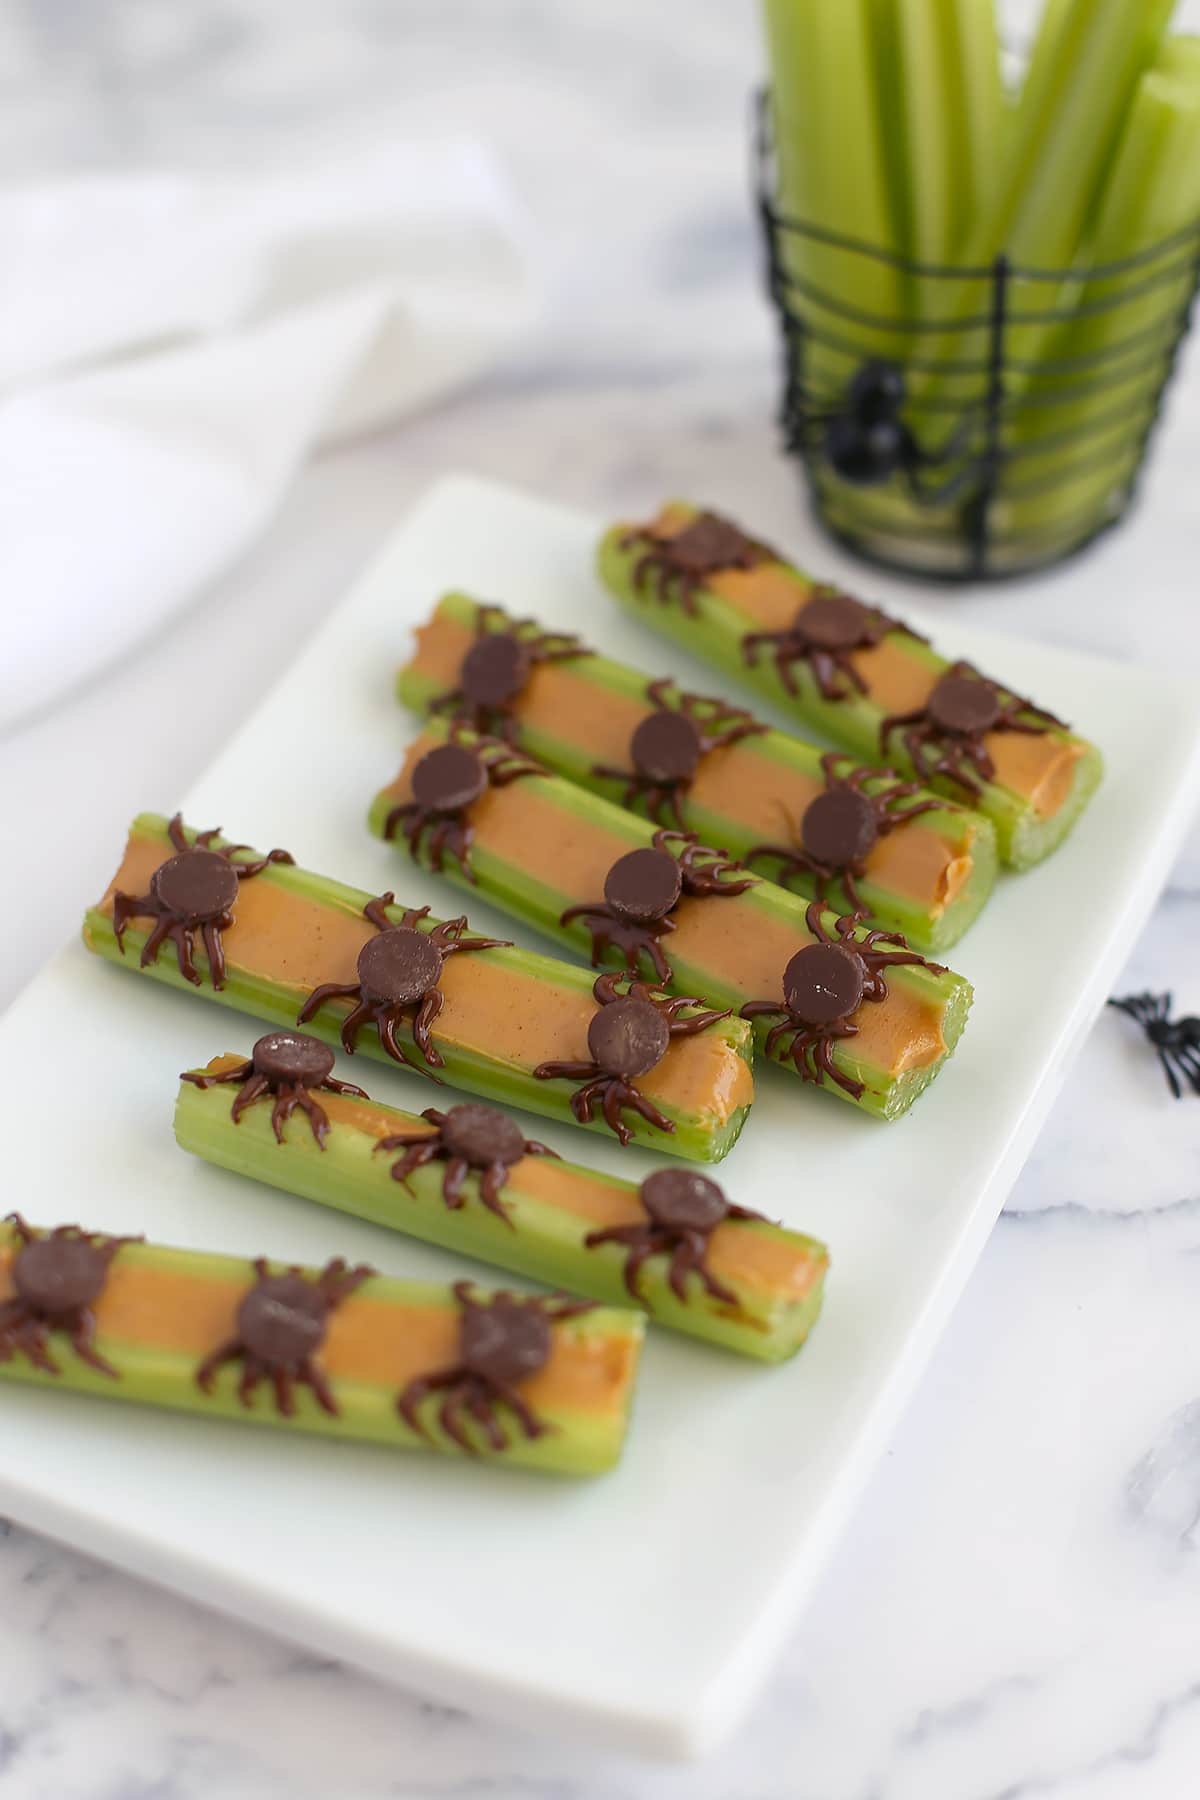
x: 766, y: 764
x: 156, y: 1365
x: 541, y: 1240
x: 764, y: 907
x: 1152, y: 193
x: 705, y: 1136
x: 715, y: 634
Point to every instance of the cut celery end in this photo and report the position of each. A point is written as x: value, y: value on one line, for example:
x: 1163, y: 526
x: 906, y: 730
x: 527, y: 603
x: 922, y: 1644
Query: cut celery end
x: 543, y: 1242
x: 886, y: 1095
x: 715, y: 634
x: 698, y: 1137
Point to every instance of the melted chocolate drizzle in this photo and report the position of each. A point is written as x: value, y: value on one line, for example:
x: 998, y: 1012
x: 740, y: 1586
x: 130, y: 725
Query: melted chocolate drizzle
x: 503, y: 1341
x: 626, y: 1038
x: 641, y: 891
x: 945, y: 736
x: 666, y: 747
x: 290, y: 1067
x: 469, y: 1139
x: 446, y: 783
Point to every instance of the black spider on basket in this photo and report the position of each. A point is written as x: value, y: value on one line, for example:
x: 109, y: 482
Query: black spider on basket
x: 823, y: 986
x: 1176, y: 1041
x: 865, y: 440
x: 502, y: 1342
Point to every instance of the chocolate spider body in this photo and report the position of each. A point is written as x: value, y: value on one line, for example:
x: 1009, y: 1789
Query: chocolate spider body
x: 399, y: 972
x: 676, y: 565
x: 841, y: 826
x: 192, y: 892
x: 56, y: 1278
x: 290, y: 1067
x: 446, y: 783
x: 282, y: 1322
x: 823, y: 986
x: 824, y: 634
x: 627, y: 1037
x: 1176, y: 1041
x: 471, y: 1138
x: 682, y: 1211
x: 641, y: 891
x: 666, y: 747
x: 496, y: 669
x: 945, y: 736
x: 502, y: 1342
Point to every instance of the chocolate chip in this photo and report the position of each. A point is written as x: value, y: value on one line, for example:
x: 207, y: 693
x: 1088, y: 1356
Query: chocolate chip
x: 628, y: 1038
x: 282, y: 1320
x: 480, y: 1136
x: 822, y: 983
x: 505, y: 1342
x: 682, y: 1201
x: 57, y: 1275
x: 643, y: 885
x: 665, y: 747
x: 292, y: 1056
x: 495, y: 669
x: 963, y: 707
x: 448, y: 779
x: 839, y: 828
x: 195, y: 886
x: 833, y: 622
x: 710, y: 543
x: 399, y: 966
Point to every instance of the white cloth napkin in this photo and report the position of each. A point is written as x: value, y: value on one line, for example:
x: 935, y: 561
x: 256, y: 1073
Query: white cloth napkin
x: 173, y: 347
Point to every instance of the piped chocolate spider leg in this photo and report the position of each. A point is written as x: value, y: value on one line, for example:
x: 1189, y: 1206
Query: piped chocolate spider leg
x: 528, y: 1420
x: 285, y: 1394
x: 427, y: 1013
x: 29, y: 1336
x: 164, y: 928
x: 636, y: 1240
x: 457, y: 1170
x: 333, y: 990
x: 482, y: 1411
x: 255, y: 1085
x: 823, y: 1058
x: 318, y: 1118
x: 421, y: 1151
x: 313, y: 1375
x: 125, y: 908
x: 490, y: 1183
x: 689, y: 1258
x: 622, y: 1095
x: 206, y: 1373
x: 179, y: 839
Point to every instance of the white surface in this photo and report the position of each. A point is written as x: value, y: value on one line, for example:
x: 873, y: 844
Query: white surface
x: 172, y: 348
x: 1010, y: 1611
x: 736, y: 1478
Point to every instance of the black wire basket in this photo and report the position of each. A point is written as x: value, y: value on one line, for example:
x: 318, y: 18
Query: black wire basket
x: 982, y: 422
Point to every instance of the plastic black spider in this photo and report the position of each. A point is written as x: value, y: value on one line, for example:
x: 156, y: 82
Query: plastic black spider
x: 1176, y: 1041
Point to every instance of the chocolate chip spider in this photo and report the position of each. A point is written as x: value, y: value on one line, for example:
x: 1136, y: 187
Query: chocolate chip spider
x: 495, y: 670
x: 666, y: 747
x: 399, y: 972
x: 446, y: 783
x: 502, y: 1342
x: 682, y: 1211
x: 289, y: 1067
x: 825, y: 632
x: 192, y: 891
x: 823, y: 986
x: 282, y: 1323
x: 678, y: 564
x: 641, y: 891
x: 627, y: 1037
x: 841, y: 826
x: 945, y: 735
x: 469, y: 1139
x: 57, y: 1276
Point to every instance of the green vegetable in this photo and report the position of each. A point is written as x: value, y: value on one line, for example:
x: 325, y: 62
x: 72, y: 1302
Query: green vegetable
x: 771, y: 764
x: 764, y: 914
x: 156, y: 1342
x: 551, y: 1206
x: 705, y: 1135
x: 716, y: 632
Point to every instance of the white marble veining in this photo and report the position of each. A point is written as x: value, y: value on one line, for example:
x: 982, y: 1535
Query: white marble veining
x: 1013, y: 1610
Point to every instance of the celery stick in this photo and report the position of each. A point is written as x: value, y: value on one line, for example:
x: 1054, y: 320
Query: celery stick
x: 928, y: 150
x: 1152, y: 192
x: 976, y: 91
x: 549, y: 1208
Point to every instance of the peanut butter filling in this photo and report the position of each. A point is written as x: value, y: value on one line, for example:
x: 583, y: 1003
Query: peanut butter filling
x: 491, y: 1008
x: 1041, y: 769
x: 381, y: 1342
x: 735, y: 939
x: 738, y: 1251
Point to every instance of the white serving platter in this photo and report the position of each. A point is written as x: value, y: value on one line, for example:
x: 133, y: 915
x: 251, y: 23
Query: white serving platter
x: 644, y: 1608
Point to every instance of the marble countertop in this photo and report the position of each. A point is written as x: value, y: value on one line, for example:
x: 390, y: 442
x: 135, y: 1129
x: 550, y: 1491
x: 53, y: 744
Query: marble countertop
x: 1012, y: 1610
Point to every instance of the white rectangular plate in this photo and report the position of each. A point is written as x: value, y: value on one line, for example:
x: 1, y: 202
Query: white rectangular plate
x: 643, y: 1607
